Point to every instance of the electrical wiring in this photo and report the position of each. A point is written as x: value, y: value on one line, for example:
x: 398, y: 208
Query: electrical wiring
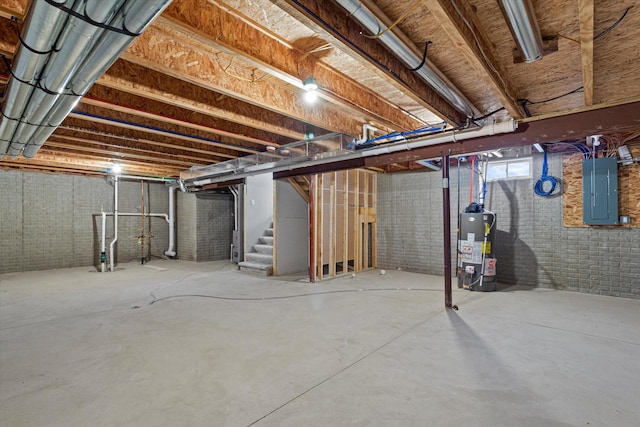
x: 403, y: 135
x: 614, y: 25
x: 538, y: 187
x: 308, y: 294
x: 261, y: 79
x: 526, y: 101
x: 358, y: 49
x: 424, y: 57
x: 397, y: 21
x: 484, y: 55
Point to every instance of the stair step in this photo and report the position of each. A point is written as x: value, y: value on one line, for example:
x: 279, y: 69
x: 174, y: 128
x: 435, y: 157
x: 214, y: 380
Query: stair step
x: 260, y: 258
x: 264, y: 249
x: 268, y: 232
x: 256, y: 268
x: 266, y: 240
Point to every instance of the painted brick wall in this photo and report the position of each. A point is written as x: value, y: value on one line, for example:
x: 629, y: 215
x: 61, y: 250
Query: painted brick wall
x: 533, y: 247
x: 47, y: 220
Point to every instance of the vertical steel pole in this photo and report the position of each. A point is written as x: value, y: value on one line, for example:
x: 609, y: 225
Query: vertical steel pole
x: 446, y: 218
x: 313, y: 194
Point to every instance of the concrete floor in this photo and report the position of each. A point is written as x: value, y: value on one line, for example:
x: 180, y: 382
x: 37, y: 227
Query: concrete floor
x: 79, y: 348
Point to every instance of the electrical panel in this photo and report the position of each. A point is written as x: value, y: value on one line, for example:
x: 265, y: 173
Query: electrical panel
x: 600, y: 191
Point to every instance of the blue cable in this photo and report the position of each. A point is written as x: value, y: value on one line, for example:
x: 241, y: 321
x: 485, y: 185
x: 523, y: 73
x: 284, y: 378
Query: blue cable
x: 538, y: 188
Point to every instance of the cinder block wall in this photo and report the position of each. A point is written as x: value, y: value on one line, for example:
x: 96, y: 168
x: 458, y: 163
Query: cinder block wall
x: 47, y: 220
x: 409, y: 219
x: 205, y: 225
x: 533, y: 247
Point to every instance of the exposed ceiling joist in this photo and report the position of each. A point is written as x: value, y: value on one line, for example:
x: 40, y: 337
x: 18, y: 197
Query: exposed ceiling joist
x: 326, y: 18
x: 150, y: 84
x: 104, y: 97
x: 175, y: 54
x: 221, y: 30
x: 586, y: 14
x: 467, y: 34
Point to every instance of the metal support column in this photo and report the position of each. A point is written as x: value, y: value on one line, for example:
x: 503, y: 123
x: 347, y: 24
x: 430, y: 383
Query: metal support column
x: 446, y: 218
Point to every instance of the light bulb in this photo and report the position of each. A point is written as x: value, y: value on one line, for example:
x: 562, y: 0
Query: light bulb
x: 311, y: 96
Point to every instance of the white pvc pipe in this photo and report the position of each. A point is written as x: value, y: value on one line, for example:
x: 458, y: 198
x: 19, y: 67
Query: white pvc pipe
x: 171, y: 251
x: 155, y: 215
x: 145, y: 178
x: 103, y: 244
x: 115, y: 223
x: 492, y: 129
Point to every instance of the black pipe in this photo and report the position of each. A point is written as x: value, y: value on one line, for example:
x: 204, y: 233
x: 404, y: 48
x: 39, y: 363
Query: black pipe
x: 446, y: 218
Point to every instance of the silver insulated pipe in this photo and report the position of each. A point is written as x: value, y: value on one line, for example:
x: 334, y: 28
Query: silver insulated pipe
x: 521, y: 18
x: 428, y: 72
x: 73, y: 54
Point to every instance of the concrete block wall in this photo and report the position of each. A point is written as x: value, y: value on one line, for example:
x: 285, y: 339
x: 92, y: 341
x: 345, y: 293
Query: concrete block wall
x: 532, y: 245
x: 47, y: 220
x: 187, y: 226
x: 409, y: 219
x: 205, y: 225
x: 215, y: 227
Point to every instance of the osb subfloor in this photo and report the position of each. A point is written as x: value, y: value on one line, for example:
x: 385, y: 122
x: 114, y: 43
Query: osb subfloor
x: 80, y: 348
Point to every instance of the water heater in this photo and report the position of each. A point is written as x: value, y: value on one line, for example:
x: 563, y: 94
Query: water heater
x: 476, y: 251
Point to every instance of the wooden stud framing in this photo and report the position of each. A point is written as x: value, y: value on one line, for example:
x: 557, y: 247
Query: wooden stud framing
x: 313, y: 234
x: 586, y: 13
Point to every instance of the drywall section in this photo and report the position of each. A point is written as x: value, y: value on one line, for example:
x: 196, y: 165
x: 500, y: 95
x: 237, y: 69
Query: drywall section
x: 533, y: 246
x: 258, y: 207
x: 48, y: 222
x: 204, y: 226
x: 291, y: 230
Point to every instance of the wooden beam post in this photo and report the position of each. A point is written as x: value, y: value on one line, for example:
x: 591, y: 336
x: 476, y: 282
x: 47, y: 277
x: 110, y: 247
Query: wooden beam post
x: 586, y: 13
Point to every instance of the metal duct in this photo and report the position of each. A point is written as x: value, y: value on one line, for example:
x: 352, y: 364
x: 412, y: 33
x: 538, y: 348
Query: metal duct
x: 428, y: 72
x: 521, y: 18
x: 44, y: 22
x: 83, y: 53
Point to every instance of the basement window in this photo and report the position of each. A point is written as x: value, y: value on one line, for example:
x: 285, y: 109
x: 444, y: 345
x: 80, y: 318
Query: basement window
x: 509, y: 169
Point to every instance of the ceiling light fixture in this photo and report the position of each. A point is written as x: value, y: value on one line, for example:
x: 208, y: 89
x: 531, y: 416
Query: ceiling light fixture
x: 116, y: 168
x: 310, y: 85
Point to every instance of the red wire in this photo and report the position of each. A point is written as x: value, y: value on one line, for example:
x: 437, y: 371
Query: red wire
x: 473, y: 172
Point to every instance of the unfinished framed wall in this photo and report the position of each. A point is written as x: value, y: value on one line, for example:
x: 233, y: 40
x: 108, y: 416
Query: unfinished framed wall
x: 342, y: 223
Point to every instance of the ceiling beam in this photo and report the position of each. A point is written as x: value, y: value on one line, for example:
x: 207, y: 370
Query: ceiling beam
x: 226, y: 145
x: 47, y: 158
x: 220, y: 29
x: 150, y: 84
x: 575, y: 125
x: 327, y: 18
x: 471, y: 40
x: 105, y: 97
x: 9, y: 38
x: 586, y: 14
x: 117, y: 152
x: 175, y: 54
x: 135, y: 147
x: 13, y: 9
x: 162, y: 147
x: 121, y: 125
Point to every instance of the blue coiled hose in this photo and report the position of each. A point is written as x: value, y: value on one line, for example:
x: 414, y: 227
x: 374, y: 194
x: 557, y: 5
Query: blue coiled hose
x: 545, y: 177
